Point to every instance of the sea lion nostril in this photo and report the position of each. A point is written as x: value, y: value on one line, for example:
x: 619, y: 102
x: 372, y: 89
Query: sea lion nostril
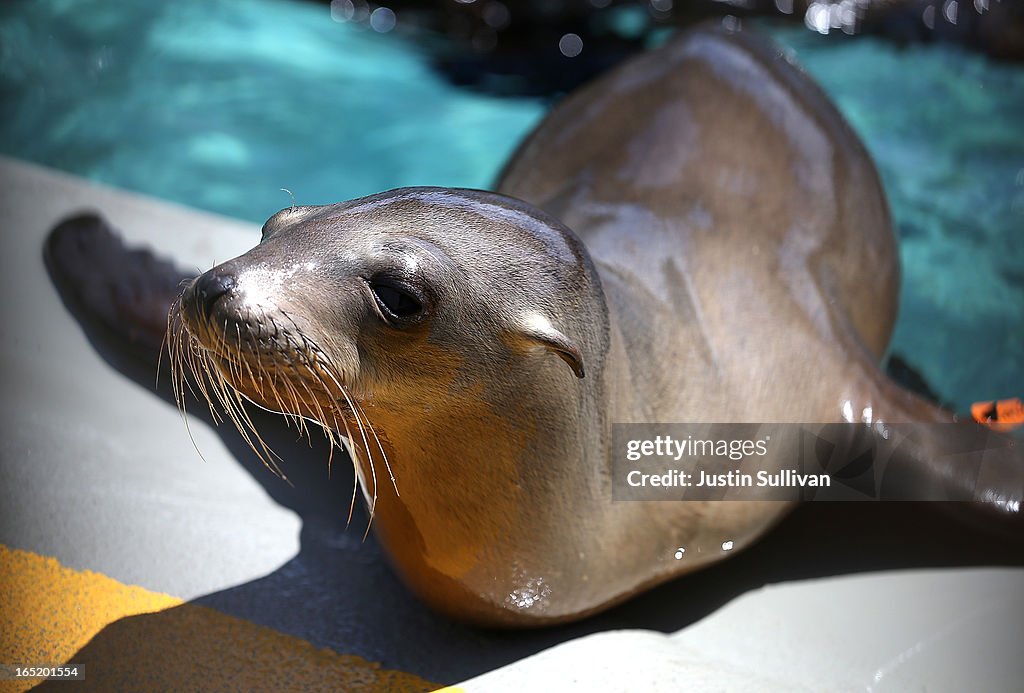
x: 209, y: 287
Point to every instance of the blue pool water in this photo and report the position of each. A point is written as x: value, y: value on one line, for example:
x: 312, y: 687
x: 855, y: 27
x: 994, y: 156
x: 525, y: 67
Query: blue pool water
x: 219, y: 105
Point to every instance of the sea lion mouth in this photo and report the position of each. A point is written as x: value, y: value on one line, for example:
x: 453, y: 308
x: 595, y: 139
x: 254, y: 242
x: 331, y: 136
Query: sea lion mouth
x: 226, y: 353
x: 266, y: 357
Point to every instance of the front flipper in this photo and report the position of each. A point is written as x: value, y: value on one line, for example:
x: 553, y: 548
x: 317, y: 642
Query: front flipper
x: 127, y: 292
x: 949, y: 458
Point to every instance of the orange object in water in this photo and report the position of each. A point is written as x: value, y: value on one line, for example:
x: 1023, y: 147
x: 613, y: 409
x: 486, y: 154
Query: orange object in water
x: 1002, y: 414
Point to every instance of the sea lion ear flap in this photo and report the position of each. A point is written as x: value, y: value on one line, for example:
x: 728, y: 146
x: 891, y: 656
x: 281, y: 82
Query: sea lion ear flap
x: 537, y: 328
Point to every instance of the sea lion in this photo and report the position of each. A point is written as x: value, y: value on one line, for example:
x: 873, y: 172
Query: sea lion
x: 696, y: 236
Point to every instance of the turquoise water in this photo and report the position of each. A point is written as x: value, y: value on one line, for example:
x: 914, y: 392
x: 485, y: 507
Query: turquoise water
x: 219, y: 105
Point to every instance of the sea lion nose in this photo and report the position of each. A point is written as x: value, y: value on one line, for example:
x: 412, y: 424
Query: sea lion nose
x: 210, y: 286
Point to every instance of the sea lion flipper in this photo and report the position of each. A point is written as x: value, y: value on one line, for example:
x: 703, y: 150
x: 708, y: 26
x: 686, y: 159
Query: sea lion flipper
x: 947, y: 457
x: 127, y: 292
x: 980, y: 469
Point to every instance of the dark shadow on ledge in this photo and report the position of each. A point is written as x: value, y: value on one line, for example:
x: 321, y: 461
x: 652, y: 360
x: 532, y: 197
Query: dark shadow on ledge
x: 339, y: 592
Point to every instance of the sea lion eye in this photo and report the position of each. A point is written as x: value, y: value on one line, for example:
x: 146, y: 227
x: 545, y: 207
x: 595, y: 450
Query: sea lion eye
x: 395, y: 301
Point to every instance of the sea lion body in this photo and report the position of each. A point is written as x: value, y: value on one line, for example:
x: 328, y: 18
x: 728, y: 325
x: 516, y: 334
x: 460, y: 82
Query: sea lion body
x: 733, y: 213
x: 714, y: 246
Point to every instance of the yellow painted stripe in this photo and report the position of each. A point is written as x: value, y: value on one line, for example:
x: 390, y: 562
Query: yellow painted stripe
x: 129, y: 638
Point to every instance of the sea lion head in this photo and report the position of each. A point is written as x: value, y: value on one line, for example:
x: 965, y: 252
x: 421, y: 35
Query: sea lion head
x: 405, y: 301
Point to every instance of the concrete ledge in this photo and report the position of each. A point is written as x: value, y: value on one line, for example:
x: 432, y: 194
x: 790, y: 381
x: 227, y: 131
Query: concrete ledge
x: 922, y: 630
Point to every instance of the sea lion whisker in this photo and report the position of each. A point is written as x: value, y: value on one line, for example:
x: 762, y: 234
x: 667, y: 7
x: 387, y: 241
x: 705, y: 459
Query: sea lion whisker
x: 172, y: 339
x: 197, y: 360
x: 257, y: 388
x: 321, y: 419
x: 294, y: 412
x: 369, y: 458
x: 243, y: 362
x: 164, y: 345
x: 353, y: 453
x: 219, y: 385
x: 347, y: 442
x: 173, y: 318
x: 316, y: 411
x: 177, y: 367
x: 285, y: 410
x: 198, y: 363
x: 366, y: 446
x: 331, y: 429
x: 387, y: 464
x: 215, y: 382
x: 233, y: 359
x: 357, y: 409
x: 275, y: 390
x: 323, y: 365
x: 213, y: 368
x: 296, y: 409
x: 240, y: 417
